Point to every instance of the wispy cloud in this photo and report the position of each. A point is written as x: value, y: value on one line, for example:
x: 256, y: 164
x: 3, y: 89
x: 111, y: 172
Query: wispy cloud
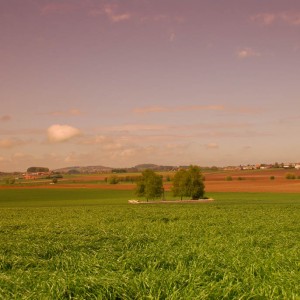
x: 288, y: 17
x: 11, y: 143
x: 61, y: 113
x: 60, y: 133
x: 166, y: 109
x: 112, y: 12
x: 137, y: 128
x: 264, y: 18
x: 5, y: 118
x: 247, y: 53
x: 191, y: 108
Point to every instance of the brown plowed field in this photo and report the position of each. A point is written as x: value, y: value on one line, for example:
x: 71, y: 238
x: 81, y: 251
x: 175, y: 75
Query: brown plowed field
x: 243, y: 181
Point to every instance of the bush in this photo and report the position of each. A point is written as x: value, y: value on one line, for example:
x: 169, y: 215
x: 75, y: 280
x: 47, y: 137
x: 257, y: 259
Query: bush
x: 10, y: 180
x: 241, y: 178
x: 114, y: 179
x: 290, y: 176
x: 54, y: 180
x: 228, y: 178
x: 272, y: 177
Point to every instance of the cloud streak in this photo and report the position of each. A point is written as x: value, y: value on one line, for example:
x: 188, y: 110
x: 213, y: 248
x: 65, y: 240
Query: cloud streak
x: 11, y: 143
x: 191, y: 108
x: 180, y: 108
x: 289, y: 17
x: 111, y: 12
x: 74, y: 112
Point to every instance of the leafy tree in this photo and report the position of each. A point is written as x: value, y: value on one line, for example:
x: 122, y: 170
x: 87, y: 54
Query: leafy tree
x: 180, y: 183
x: 150, y: 185
x: 113, y: 179
x: 10, y: 180
x: 37, y: 169
x: 189, y: 183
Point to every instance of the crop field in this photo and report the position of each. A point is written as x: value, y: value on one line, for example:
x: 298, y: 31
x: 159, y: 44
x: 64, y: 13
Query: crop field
x: 215, y: 181
x: 92, y: 244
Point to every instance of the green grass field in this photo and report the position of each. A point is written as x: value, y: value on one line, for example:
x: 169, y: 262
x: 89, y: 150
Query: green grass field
x: 91, y: 244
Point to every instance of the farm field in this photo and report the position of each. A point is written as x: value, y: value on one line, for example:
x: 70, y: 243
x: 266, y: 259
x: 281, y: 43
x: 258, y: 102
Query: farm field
x: 91, y: 244
x: 242, y: 181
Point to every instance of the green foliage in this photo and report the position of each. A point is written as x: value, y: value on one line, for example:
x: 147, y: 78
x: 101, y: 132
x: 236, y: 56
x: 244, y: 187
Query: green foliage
x: 54, y: 180
x: 37, y: 169
x: 114, y: 179
x: 119, y: 171
x: 241, y: 246
x: 168, y: 178
x: 228, y: 178
x: 272, y: 177
x: 290, y: 176
x: 150, y: 185
x: 180, y: 184
x: 188, y: 183
x: 10, y: 180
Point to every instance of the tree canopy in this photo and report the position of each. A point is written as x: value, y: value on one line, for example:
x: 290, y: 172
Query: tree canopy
x: 150, y: 185
x: 37, y: 169
x: 188, y: 183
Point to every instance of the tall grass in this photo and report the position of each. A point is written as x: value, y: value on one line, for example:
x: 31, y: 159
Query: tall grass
x: 241, y: 246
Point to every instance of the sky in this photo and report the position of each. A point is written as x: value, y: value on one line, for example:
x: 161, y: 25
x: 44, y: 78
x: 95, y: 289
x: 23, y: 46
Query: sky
x: 170, y: 82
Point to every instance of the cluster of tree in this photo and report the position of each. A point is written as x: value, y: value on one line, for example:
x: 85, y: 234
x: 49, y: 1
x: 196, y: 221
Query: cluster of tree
x: 37, y: 169
x: 186, y: 183
x: 116, y: 179
x: 291, y: 176
x: 119, y: 171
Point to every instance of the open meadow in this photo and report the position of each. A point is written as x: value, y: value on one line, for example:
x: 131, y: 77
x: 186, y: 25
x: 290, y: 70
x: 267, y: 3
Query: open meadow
x: 91, y: 244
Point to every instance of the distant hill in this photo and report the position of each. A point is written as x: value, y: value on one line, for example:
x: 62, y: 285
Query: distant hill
x: 103, y: 169
x: 146, y: 166
x: 84, y: 169
x: 154, y: 167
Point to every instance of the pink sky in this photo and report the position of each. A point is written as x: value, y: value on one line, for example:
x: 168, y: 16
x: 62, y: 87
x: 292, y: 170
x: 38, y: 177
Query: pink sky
x: 118, y: 83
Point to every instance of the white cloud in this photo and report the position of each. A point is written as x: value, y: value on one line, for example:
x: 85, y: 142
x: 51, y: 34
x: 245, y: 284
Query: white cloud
x: 60, y: 133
